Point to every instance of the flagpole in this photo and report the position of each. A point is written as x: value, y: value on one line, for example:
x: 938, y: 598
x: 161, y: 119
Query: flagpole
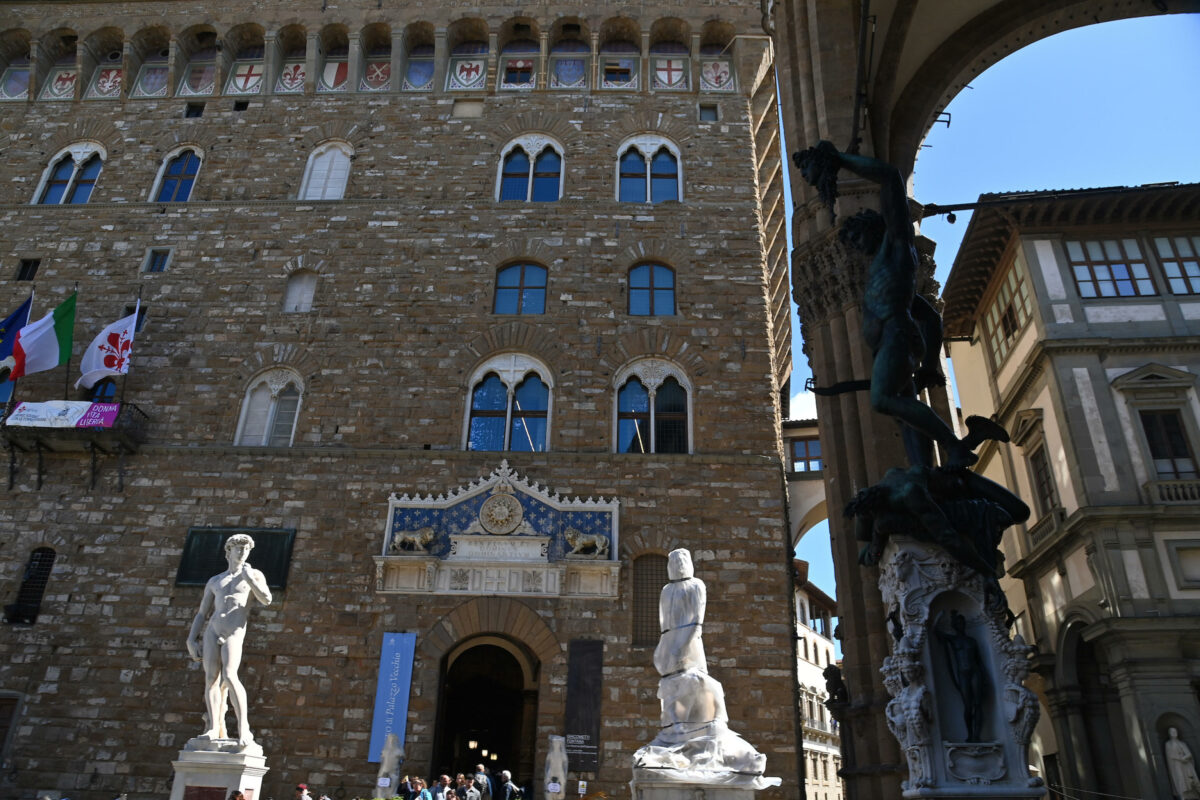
x: 67, y: 380
x: 9, y: 406
x: 125, y: 377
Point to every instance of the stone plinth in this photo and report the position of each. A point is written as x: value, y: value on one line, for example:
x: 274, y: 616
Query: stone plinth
x: 669, y: 790
x: 959, y: 707
x: 218, y: 770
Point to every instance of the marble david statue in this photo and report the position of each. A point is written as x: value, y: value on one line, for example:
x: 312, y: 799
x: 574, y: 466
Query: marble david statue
x: 694, y: 744
x: 216, y: 639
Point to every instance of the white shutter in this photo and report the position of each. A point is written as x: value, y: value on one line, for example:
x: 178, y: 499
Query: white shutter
x: 255, y: 413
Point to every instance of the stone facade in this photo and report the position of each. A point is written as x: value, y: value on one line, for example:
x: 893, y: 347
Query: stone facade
x: 815, y: 615
x: 102, y: 692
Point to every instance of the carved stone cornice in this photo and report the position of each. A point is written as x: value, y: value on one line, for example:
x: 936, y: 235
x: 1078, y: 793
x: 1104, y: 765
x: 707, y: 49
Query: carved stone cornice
x: 827, y: 276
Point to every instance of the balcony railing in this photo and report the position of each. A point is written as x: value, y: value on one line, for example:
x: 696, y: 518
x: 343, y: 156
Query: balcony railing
x: 1046, y: 525
x: 1172, y: 492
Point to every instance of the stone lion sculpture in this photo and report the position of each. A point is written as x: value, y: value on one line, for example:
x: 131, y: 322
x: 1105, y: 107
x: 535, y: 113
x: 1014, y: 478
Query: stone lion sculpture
x: 582, y: 543
x: 413, y: 541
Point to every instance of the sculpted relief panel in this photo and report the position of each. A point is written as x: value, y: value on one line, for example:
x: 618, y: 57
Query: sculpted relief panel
x: 500, y: 535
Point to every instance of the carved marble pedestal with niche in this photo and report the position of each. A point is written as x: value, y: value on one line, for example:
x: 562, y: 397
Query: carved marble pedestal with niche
x: 959, y: 708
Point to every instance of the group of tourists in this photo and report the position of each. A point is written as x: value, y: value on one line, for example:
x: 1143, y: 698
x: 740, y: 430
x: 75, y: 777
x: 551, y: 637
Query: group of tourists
x: 477, y: 786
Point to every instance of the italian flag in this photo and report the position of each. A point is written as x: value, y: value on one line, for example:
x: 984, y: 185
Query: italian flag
x: 45, y: 344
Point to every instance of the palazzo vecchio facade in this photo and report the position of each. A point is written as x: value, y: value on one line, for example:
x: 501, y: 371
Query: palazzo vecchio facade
x: 468, y: 313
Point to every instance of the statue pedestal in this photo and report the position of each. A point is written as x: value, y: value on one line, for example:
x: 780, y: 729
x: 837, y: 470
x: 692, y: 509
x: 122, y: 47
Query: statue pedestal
x: 211, y: 770
x: 959, y: 707
x: 650, y: 789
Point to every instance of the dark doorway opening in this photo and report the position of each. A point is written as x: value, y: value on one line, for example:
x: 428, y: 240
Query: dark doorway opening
x: 489, y: 700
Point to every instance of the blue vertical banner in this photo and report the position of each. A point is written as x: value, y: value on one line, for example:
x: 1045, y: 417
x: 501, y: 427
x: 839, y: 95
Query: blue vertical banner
x: 391, y: 690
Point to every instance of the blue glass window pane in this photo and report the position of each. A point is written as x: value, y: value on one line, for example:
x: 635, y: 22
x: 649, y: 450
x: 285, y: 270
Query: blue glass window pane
x: 533, y: 301
x: 184, y: 191
x: 546, y: 174
x: 56, y: 187
x: 664, y: 190
x: 664, y: 277
x: 506, y: 301
x: 167, y: 190
x: 664, y: 302
x: 631, y: 436
x: 633, y: 190
x: 535, y: 275
x: 639, y: 276
x: 487, y: 433
x: 633, y: 397
x: 670, y: 418
x: 85, y: 181
x: 490, y: 395
x: 639, y: 302
x: 528, y: 435
x: 515, y: 180
x: 531, y: 395
x: 633, y: 178
x: 509, y: 276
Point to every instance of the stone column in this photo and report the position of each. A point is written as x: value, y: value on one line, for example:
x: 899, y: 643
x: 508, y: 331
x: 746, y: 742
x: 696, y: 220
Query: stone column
x: 858, y: 446
x: 354, y: 62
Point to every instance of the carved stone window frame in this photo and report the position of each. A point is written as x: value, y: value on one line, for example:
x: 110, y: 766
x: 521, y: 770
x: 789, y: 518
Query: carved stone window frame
x: 79, y: 152
x: 652, y: 371
x: 534, y: 144
x: 1155, y: 387
x: 276, y: 379
x: 1030, y: 436
x: 511, y: 369
x: 647, y: 145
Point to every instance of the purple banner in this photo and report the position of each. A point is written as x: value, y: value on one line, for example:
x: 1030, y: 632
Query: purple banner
x: 64, y: 414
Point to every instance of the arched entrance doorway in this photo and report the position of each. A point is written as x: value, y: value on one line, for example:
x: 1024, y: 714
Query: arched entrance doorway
x: 488, y: 699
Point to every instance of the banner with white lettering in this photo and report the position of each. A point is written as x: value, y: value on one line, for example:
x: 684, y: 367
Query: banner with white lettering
x: 391, y: 690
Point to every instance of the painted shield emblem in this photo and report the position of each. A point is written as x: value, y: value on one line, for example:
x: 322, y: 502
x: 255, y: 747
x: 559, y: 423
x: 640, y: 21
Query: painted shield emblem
x: 670, y: 73
x: 568, y: 72
x: 247, y: 78
x: 152, y: 82
x: 378, y: 76
x: 715, y: 75
x: 199, y: 79
x: 620, y: 73
x: 291, y: 78
x: 15, y: 85
x: 469, y: 73
x: 108, y: 83
x: 420, y: 73
x: 333, y: 76
x: 61, y: 85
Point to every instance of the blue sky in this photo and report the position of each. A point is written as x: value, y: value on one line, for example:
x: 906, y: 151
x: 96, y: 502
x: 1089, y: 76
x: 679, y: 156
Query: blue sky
x: 1116, y: 104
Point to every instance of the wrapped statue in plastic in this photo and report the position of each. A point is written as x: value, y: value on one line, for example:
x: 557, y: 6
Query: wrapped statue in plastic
x: 694, y: 744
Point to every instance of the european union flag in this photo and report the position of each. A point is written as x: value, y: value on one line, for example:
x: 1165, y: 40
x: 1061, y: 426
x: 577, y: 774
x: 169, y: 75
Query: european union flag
x: 11, y: 324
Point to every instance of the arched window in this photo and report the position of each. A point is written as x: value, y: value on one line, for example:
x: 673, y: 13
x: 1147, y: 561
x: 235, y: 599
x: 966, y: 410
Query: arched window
x: 649, y: 578
x: 652, y: 412
x: 542, y: 183
x: 177, y: 177
x: 298, y: 294
x: 651, y: 291
x: 72, y: 175
x: 648, y: 171
x: 327, y: 172
x: 520, y: 289
x: 33, y: 586
x: 270, y: 409
x: 510, y: 405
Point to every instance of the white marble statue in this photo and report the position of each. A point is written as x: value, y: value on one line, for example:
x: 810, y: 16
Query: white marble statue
x: 224, y: 607
x: 1184, y: 783
x: 694, y: 744
x: 391, y: 758
x: 555, y: 777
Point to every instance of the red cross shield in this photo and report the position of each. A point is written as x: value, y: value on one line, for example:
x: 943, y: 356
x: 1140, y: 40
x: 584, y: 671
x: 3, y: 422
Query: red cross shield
x: 247, y: 77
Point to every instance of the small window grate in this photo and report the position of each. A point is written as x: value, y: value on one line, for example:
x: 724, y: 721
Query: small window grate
x: 27, y: 268
x: 649, y: 578
x: 33, y: 586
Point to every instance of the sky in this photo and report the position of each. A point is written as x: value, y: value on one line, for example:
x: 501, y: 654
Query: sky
x: 1115, y: 104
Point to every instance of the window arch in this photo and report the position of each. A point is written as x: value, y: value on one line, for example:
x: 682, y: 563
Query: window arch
x: 28, y: 604
x: 530, y: 170
x: 270, y: 409
x: 71, y: 175
x: 509, y: 405
x: 648, y: 171
x: 652, y: 291
x: 649, y: 577
x: 520, y: 289
x: 177, y: 176
x: 653, y: 408
x: 327, y: 172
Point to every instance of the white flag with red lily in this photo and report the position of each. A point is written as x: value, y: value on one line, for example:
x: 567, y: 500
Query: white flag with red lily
x: 109, y: 353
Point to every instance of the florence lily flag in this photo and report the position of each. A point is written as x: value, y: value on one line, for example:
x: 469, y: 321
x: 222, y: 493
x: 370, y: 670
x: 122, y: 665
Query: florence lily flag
x: 45, y: 344
x: 108, y: 354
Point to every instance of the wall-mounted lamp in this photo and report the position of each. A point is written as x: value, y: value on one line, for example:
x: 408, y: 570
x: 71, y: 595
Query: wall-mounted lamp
x: 471, y: 745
